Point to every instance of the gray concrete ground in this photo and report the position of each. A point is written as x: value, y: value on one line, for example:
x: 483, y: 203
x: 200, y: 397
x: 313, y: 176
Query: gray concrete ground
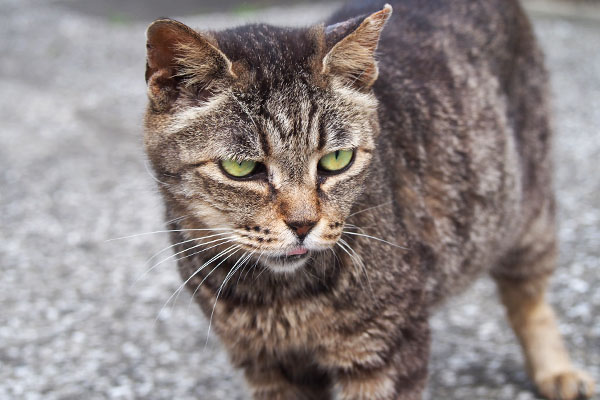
x: 75, y: 324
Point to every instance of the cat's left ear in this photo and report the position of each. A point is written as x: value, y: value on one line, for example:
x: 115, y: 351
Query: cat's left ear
x: 352, y: 58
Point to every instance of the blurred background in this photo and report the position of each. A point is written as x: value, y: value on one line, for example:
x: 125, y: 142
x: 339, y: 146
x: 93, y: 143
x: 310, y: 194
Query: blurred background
x: 80, y: 320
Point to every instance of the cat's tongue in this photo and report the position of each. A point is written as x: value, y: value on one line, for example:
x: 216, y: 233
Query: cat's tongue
x: 297, y: 251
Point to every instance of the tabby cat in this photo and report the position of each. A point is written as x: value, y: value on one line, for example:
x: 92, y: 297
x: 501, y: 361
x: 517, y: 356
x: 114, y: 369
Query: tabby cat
x: 324, y: 196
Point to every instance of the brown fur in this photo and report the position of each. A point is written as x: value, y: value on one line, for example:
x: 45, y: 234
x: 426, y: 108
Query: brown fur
x: 451, y: 161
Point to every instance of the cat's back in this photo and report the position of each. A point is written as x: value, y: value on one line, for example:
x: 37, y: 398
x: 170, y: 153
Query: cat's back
x: 425, y: 36
x: 464, y: 127
x: 474, y: 21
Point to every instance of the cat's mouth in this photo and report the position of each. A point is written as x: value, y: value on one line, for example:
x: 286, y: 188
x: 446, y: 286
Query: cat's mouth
x: 298, y: 251
x: 288, y: 261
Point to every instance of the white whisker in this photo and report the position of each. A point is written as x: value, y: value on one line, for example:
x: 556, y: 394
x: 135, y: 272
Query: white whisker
x: 183, y: 242
x: 167, y: 231
x: 376, y: 238
x: 210, y: 272
x: 221, y: 254
x: 371, y: 208
x: 335, y: 255
x: 260, y: 273
x: 220, y: 242
x: 254, y: 266
x: 186, y: 281
x: 352, y: 226
x: 347, y: 252
x: 307, y: 272
x: 176, y: 219
x: 233, y: 270
x: 242, y: 271
x: 345, y: 246
x: 152, y: 175
x: 361, y: 264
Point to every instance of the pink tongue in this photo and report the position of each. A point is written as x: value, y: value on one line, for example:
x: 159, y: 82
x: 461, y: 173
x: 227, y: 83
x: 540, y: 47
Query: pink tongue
x: 296, y: 251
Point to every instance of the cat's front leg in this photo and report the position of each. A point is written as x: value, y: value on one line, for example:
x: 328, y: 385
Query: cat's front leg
x: 385, y: 384
x: 268, y: 381
x: 373, y: 367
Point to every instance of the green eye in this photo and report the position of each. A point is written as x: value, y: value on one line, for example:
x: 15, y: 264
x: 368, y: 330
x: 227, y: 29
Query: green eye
x: 336, y: 160
x: 238, y: 170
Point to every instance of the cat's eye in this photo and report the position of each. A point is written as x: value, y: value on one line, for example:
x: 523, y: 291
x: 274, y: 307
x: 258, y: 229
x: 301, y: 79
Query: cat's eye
x: 239, y: 169
x: 336, y: 161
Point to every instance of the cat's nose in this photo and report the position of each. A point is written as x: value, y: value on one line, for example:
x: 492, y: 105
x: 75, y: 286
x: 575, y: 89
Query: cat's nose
x: 301, y: 228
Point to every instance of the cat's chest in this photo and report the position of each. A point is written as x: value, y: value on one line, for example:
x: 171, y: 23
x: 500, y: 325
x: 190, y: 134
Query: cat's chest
x: 324, y: 329
x: 278, y: 326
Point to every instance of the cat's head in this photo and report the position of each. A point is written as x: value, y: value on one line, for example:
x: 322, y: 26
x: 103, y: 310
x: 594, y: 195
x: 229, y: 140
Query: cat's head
x: 261, y: 133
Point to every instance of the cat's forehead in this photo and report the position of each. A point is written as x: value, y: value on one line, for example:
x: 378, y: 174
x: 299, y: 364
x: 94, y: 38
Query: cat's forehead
x: 274, y: 54
x: 291, y: 122
x: 279, y: 90
x: 300, y: 119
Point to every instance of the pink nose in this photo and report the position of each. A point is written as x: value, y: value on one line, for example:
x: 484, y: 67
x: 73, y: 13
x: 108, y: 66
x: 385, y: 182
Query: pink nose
x: 301, y: 228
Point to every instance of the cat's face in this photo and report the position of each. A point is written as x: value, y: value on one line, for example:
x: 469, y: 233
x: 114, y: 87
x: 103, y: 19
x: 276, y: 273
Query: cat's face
x: 273, y: 156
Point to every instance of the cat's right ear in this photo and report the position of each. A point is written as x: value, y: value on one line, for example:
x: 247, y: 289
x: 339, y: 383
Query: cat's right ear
x: 179, y: 56
x: 352, y: 57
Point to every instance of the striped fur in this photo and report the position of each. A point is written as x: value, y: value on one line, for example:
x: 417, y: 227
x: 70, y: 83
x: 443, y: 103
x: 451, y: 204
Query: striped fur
x: 449, y: 124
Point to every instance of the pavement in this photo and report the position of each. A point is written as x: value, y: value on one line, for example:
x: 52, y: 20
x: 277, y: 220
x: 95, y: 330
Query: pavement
x: 80, y: 318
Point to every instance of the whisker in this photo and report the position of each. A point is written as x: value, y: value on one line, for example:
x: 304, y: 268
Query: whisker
x: 308, y: 273
x: 152, y: 175
x: 376, y: 238
x: 361, y: 263
x: 254, y: 266
x: 189, y: 255
x: 176, y: 219
x: 222, y: 253
x: 345, y: 246
x: 186, y: 281
x: 243, y: 263
x: 266, y: 267
x: 210, y: 272
x: 183, y: 242
x: 337, y: 262
x: 371, y: 208
x: 233, y: 270
x: 347, y: 252
x: 220, y: 240
x: 242, y: 271
x: 305, y: 273
x: 352, y: 226
x: 246, y: 263
x: 167, y: 231
x: 203, y: 250
x: 335, y: 255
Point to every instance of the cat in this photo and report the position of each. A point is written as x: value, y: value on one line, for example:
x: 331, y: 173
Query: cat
x: 328, y: 186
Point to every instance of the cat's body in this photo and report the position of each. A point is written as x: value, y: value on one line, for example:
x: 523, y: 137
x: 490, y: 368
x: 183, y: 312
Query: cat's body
x: 451, y: 161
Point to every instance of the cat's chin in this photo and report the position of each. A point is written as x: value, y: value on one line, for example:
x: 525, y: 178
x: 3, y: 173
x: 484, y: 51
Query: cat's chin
x: 285, y: 264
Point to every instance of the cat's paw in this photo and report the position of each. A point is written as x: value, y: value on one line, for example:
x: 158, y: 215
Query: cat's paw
x: 567, y: 385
